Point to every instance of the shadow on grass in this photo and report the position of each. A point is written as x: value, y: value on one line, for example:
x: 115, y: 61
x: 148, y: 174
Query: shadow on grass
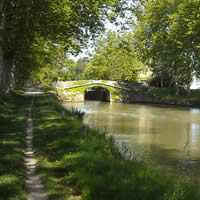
x: 91, y: 166
x: 12, y: 139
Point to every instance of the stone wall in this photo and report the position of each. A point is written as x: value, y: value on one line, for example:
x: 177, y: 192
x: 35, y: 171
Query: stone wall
x: 69, y: 90
x: 138, y: 93
x: 132, y: 92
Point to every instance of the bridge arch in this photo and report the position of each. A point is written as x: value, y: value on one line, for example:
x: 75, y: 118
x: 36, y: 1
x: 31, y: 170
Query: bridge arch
x: 79, y: 90
x: 99, y: 93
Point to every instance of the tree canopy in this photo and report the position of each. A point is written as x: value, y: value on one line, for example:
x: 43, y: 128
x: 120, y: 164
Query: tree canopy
x: 115, y: 59
x: 37, y: 34
x: 167, y: 38
x: 31, y: 26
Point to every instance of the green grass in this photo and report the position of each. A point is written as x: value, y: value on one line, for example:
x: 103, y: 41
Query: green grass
x: 91, y: 168
x: 12, y: 139
x: 167, y: 95
x: 80, y: 82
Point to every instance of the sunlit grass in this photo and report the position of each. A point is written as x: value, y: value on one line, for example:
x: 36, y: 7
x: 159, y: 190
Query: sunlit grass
x: 90, y: 167
x: 168, y: 95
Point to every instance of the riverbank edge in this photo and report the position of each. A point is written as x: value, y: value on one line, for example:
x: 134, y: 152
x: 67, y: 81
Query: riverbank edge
x: 139, y: 94
x: 167, y: 96
x: 77, y: 167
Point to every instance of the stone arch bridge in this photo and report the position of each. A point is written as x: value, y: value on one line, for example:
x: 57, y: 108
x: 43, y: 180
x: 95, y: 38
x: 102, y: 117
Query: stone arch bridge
x: 103, y: 90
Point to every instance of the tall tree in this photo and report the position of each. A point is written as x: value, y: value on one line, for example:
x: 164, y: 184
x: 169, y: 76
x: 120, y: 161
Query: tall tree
x: 166, y: 37
x: 115, y: 59
x: 65, y: 22
x: 78, y: 70
x: 51, y: 65
x: 2, y: 21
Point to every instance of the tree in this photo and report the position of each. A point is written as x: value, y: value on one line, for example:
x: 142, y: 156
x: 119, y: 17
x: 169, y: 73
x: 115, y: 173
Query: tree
x: 52, y: 65
x: 115, y: 59
x: 2, y: 26
x: 68, y: 23
x: 166, y: 38
x: 78, y: 70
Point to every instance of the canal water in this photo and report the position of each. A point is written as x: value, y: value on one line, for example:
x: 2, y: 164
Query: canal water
x: 168, y: 136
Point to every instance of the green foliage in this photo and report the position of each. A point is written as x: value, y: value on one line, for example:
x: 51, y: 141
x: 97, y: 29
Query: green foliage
x: 31, y: 27
x: 161, y: 93
x: 78, y: 70
x: 168, y: 95
x: 166, y: 39
x: 115, y: 59
x: 13, y: 114
x: 53, y: 65
x: 78, y: 113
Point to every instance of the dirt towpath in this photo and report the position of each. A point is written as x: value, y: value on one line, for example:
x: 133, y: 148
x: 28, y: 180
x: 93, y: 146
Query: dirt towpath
x: 34, y: 186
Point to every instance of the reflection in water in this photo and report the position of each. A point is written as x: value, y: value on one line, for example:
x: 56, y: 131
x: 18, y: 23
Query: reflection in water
x: 167, y: 135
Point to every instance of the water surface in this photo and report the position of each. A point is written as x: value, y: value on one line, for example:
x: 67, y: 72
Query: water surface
x: 167, y: 136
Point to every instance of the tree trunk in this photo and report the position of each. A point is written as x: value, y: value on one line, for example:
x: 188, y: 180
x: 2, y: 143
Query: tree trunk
x: 7, y: 78
x: 188, y: 89
x: 177, y: 90
x: 2, y: 21
x: 161, y: 83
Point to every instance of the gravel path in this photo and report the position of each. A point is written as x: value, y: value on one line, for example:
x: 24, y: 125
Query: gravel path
x: 33, y: 183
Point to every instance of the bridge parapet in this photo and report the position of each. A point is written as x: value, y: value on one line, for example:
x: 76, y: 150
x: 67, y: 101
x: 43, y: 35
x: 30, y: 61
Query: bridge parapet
x: 75, y: 90
x: 71, y: 84
x: 123, y: 92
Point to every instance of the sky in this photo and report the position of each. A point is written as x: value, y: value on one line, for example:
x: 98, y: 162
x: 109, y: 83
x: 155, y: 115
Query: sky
x: 90, y: 49
x: 195, y: 84
x: 108, y: 27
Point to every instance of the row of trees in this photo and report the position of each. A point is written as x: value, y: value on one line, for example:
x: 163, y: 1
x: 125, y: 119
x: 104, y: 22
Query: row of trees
x: 164, y: 36
x: 36, y: 34
x: 115, y: 59
x: 167, y: 38
x: 59, y: 69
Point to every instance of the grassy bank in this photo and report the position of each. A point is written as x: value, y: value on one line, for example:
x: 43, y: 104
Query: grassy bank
x: 90, y: 168
x: 12, y: 139
x: 168, y: 96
